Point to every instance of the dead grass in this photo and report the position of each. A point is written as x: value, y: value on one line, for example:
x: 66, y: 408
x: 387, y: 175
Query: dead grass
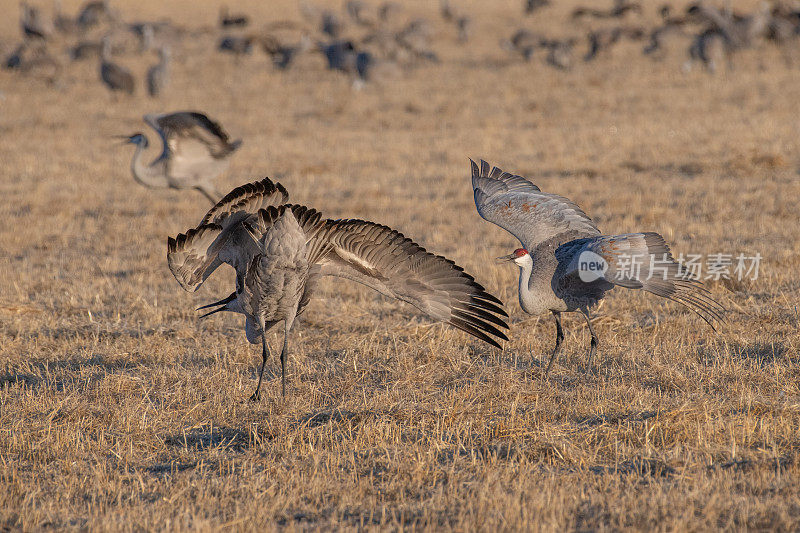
x: 120, y: 411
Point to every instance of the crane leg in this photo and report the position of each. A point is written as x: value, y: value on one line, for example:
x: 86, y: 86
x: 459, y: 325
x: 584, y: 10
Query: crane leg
x: 284, y: 354
x: 264, y: 355
x: 595, y: 342
x: 559, y: 338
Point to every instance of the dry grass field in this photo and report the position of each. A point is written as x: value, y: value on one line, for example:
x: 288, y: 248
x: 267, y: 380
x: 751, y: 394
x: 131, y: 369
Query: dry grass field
x: 119, y: 410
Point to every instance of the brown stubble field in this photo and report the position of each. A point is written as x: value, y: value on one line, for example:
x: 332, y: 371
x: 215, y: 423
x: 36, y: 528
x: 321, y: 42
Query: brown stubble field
x: 119, y: 410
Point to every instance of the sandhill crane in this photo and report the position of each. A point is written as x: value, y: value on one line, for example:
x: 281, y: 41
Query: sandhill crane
x: 116, y: 77
x: 226, y: 20
x: 605, y: 39
x: 283, y: 54
x: 387, y: 11
x: 32, y: 57
x: 463, y: 25
x: 670, y: 26
x: 93, y: 13
x: 710, y: 48
x: 85, y: 50
x: 280, y: 251
x: 415, y: 38
x: 459, y: 20
x: 620, y: 9
x: 331, y: 24
x: 63, y: 23
x: 559, y: 53
x: 532, y: 6
x: 195, y: 151
x: 524, y: 42
x: 236, y: 44
x: 342, y: 55
x: 152, y: 35
x: 34, y: 23
x: 158, y: 74
x: 738, y: 31
x: 566, y: 265
x: 361, y: 13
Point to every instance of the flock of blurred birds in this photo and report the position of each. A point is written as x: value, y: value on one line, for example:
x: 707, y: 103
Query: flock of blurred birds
x: 367, y: 41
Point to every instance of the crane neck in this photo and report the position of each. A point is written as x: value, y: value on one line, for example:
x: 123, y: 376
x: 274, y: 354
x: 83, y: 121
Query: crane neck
x: 152, y: 176
x: 526, y: 296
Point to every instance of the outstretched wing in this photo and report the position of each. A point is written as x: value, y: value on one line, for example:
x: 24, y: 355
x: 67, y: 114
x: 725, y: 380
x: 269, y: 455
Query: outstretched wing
x: 248, y: 198
x: 385, y: 260
x: 519, y: 207
x: 225, y: 235
x: 635, y: 261
x: 191, y: 126
x: 193, y: 145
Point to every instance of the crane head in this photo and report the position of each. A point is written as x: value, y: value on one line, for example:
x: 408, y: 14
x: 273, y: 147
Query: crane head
x: 519, y: 256
x: 136, y: 138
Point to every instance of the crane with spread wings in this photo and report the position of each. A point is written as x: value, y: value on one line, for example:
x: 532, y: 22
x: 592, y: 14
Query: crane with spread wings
x: 280, y: 250
x: 567, y: 265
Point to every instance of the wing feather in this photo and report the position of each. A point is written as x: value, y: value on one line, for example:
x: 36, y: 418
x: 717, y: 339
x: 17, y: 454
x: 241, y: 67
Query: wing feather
x: 521, y: 208
x: 385, y: 260
x: 250, y: 198
x: 175, y: 128
x: 639, y: 261
x: 229, y: 233
x: 369, y: 253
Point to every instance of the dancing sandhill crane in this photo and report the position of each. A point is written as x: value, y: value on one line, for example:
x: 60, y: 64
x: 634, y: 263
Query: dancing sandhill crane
x: 280, y: 251
x: 116, y: 77
x: 566, y: 265
x: 158, y: 74
x: 195, y: 150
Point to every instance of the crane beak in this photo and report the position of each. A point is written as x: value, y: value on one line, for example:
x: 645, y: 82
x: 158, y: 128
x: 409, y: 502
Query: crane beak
x: 506, y: 258
x: 222, y: 303
x: 124, y: 139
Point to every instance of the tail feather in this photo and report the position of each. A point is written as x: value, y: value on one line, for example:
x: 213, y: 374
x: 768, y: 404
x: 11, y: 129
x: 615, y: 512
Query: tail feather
x: 644, y: 261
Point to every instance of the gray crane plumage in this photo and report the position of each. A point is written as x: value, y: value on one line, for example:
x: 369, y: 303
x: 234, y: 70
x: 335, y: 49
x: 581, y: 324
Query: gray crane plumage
x: 158, y: 75
x: 524, y: 42
x: 34, y: 23
x: 195, y: 150
x: 280, y: 251
x: 94, y: 13
x: 556, y: 236
x: 116, y: 77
